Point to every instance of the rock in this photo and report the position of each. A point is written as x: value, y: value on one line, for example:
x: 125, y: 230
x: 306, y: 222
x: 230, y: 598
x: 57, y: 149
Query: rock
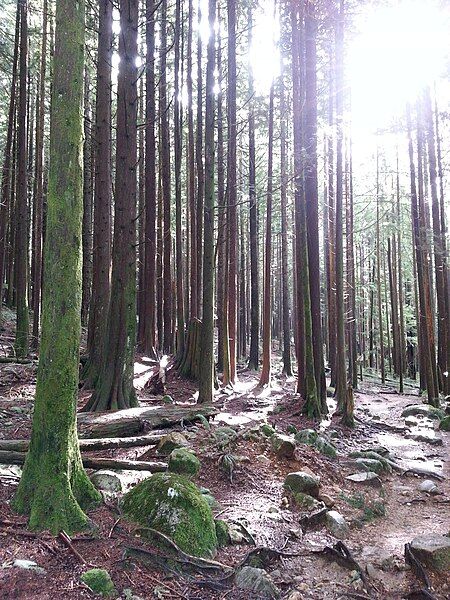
x: 306, y: 502
x: 426, y: 410
x: 428, y: 486
x: 171, y: 441
x: 267, y: 429
x: 301, y: 482
x: 291, y: 429
x: 372, y: 454
x: 184, y: 462
x: 100, y: 582
x: 369, y: 464
x: 282, y: 445
x: 257, y: 581
x: 238, y: 535
x: 444, y: 425
x: 107, y: 481
x: 295, y: 595
x: 312, y: 438
x: 222, y: 533
x: 28, y: 565
x: 225, y: 435
x: 173, y: 505
x: 167, y: 399
x: 433, y: 550
x: 330, y: 392
x: 262, y: 458
x: 306, y: 436
x: 411, y: 421
x: 368, y: 478
x: 327, y: 500
x: 337, y: 524
x: 127, y: 593
x: 425, y: 436
x: 371, y: 571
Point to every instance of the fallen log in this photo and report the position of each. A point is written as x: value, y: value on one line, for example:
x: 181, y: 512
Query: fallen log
x: 89, y: 445
x: 18, y: 458
x: 133, y: 420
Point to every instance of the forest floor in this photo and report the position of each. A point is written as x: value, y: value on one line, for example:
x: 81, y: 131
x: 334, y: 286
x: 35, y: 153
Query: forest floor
x: 381, y: 518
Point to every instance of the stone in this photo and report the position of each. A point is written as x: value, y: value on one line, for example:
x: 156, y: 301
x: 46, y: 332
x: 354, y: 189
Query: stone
x: 222, y: 533
x: 306, y: 502
x: 171, y: 441
x: 433, y: 550
x: 127, y: 593
x: 425, y: 436
x: 99, y: 581
x: 336, y: 524
x: 267, y: 429
x: 372, y: 454
x: 327, y: 500
x: 28, y: 565
x: 369, y: 464
x: 372, y: 571
x: 107, y: 481
x: 428, y: 486
x: 330, y: 392
x: 257, y: 581
x: 173, y: 505
x: 282, y: 445
x: 312, y: 438
x: 301, y: 482
x: 368, y: 478
x: 426, y: 410
x: 225, y: 435
x: 167, y: 399
x: 295, y: 595
x: 291, y: 429
x: 444, y: 425
x: 184, y: 462
x: 262, y: 458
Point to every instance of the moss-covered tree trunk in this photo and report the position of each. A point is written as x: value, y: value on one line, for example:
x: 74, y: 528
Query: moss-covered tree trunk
x: 114, y: 389
x: 206, y: 371
x: 54, y: 489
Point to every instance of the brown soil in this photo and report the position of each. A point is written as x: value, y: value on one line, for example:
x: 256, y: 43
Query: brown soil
x: 254, y: 497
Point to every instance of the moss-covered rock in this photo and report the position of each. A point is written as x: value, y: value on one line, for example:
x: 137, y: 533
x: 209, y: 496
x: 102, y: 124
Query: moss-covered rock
x: 167, y: 399
x: 224, y: 436
x: 426, y: 410
x: 369, y: 464
x: 312, y: 438
x: 171, y: 441
x: 173, y: 505
x: 444, y: 425
x: 267, y: 429
x: 302, y: 483
x: 100, y: 582
x: 222, y: 533
x: 305, y: 501
x: 184, y: 461
x: 282, y: 445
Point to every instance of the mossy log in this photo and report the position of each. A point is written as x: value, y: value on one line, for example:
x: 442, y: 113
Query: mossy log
x: 88, y: 445
x: 189, y: 363
x: 18, y: 458
x: 110, y: 424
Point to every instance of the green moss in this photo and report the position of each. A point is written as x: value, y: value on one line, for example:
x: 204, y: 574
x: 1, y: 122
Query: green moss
x: 100, y: 582
x: 444, y: 425
x: 222, y: 533
x: 184, y: 462
x: 305, y: 501
x: 173, y: 505
x: 267, y: 429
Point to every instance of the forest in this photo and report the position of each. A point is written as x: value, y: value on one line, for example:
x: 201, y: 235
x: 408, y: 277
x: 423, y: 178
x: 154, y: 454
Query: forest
x: 224, y: 299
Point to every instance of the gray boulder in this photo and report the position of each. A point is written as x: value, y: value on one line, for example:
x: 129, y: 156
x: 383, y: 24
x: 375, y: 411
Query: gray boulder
x: 171, y: 441
x: 336, y: 524
x: 107, y: 481
x: 282, y: 445
x: 303, y: 483
x: 257, y: 581
x: 433, y: 550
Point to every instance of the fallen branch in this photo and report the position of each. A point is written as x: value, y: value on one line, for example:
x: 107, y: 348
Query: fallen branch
x: 65, y: 539
x: 88, y: 445
x: 342, y: 555
x: 416, y: 567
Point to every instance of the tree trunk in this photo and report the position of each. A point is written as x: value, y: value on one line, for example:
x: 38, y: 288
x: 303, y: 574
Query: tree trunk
x: 114, y: 389
x: 21, y: 250
x: 101, y: 260
x: 267, y: 299
x: 54, y: 488
x: 380, y: 313
x: 206, y: 383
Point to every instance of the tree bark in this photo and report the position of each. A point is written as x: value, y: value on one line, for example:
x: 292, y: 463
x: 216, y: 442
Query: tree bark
x: 54, y: 489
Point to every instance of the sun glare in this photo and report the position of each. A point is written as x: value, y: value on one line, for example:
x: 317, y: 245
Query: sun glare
x: 398, y: 49
x: 264, y: 54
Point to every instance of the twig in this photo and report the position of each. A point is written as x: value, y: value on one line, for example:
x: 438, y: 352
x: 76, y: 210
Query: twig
x: 116, y: 522
x: 62, y: 535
